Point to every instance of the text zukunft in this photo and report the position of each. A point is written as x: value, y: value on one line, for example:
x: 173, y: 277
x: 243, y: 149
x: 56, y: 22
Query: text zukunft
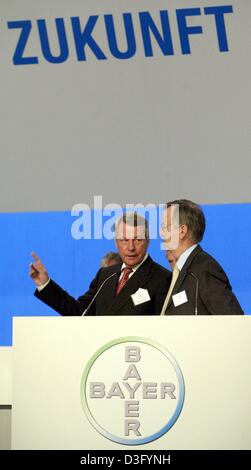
x: 124, y: 390
x: 106, y: 36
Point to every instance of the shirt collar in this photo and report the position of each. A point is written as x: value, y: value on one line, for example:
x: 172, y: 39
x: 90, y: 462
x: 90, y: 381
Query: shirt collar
x: 134, y: 268
x: 184, y: 256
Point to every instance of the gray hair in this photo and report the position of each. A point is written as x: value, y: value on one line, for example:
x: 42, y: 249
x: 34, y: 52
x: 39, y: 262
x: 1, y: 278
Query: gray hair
x: 191, y: 215
x: 134, y: 220
x: 110, y: 256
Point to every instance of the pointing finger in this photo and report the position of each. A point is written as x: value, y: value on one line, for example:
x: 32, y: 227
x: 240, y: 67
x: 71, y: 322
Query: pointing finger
x: 33, y: 254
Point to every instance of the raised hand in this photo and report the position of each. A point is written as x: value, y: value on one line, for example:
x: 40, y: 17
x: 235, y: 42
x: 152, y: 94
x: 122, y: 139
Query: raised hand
x: 37, y: 271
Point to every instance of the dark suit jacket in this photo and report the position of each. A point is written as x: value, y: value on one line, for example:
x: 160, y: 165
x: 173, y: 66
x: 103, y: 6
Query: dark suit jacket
x: 215, y: 296
x: 149, y: 275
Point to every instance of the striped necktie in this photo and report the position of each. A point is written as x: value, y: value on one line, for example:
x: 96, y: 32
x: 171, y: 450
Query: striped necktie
x: 122, y: 282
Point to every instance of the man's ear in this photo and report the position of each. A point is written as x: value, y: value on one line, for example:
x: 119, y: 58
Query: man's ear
x: 183, y: 231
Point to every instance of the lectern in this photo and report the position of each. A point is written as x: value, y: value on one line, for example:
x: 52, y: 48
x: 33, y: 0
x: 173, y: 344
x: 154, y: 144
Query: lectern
x: 132, y: 383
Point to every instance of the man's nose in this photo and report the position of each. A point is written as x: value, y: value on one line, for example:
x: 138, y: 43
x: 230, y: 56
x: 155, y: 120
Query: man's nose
x: 131, y: 245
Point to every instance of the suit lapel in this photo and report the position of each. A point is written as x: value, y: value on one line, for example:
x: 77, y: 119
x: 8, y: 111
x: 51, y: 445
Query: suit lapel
x: 137, y: 280
x: 183, y: 272
x: 110, y: 290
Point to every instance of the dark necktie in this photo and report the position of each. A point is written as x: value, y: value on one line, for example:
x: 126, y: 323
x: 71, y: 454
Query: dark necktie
x: 122, y: 282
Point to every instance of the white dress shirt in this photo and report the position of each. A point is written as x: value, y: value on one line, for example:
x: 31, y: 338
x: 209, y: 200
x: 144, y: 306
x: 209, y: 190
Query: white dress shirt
x: 184, y: 256
x: 134, y: 268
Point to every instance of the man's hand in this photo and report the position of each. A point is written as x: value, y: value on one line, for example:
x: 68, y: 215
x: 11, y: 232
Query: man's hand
x: 37, y: 271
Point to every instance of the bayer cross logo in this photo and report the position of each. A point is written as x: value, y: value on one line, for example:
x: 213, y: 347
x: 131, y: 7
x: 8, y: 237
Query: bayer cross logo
x: 132, y: 390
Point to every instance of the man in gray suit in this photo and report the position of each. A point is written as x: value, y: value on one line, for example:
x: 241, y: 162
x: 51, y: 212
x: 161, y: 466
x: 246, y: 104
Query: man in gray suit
x: 199, y: 284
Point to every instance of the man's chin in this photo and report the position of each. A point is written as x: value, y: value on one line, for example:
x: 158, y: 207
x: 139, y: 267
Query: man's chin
x: 131, y: 261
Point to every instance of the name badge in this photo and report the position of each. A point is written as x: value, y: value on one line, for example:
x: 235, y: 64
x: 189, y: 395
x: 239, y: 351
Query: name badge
x: 140, y: 297
x: 180, y: 298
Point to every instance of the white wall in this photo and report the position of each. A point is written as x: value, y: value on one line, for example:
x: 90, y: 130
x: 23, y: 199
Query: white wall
x: 78, y: 125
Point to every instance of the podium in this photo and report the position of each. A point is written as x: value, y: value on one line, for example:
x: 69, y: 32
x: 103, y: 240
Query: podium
x: 132, y: 383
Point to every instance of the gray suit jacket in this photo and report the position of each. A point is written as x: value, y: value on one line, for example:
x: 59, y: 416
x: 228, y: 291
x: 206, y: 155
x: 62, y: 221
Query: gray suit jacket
x: 207, y: 288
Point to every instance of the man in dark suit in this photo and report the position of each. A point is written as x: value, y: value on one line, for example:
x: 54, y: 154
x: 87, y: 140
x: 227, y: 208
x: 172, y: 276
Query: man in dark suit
x: 199, y: 284
x: 138, y: 286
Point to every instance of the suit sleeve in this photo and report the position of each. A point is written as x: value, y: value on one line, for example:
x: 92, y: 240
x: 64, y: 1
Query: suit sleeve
x: 216, y: 292
x: 57, y: 298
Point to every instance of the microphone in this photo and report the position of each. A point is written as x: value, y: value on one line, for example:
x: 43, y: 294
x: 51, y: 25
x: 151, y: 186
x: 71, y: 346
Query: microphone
x: 196, y: 292
x: 98, y: 291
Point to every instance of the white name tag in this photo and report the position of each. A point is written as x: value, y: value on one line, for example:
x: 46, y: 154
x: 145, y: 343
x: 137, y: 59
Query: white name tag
x: 180, y: 298
x: 140, y: 296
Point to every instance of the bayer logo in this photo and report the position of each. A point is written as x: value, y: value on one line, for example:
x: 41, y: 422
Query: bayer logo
x: 132, y: 390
